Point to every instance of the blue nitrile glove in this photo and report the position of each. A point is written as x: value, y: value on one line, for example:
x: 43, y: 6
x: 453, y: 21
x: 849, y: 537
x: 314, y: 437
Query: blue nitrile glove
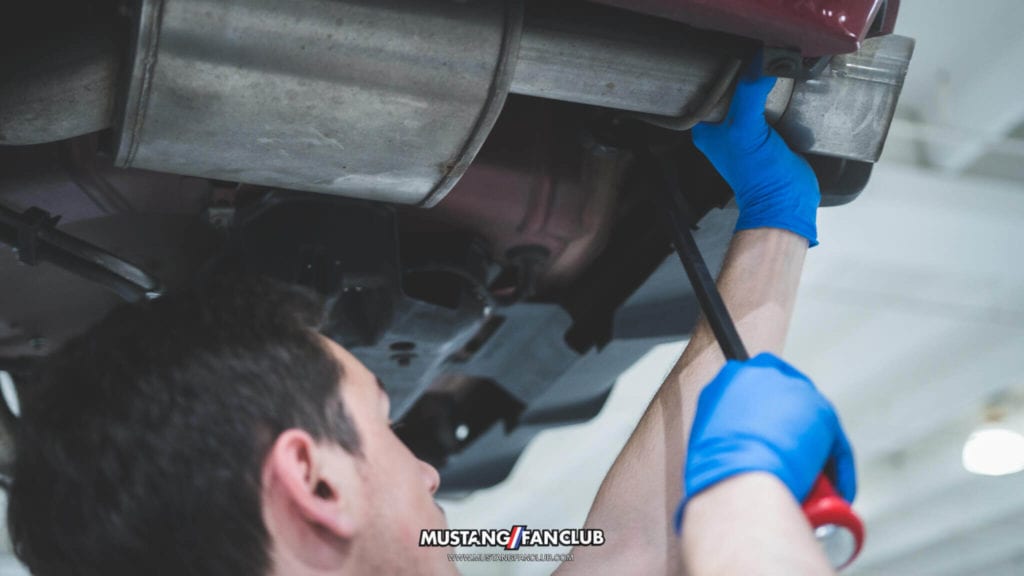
x: 764, y: 416
x: 774, y: 186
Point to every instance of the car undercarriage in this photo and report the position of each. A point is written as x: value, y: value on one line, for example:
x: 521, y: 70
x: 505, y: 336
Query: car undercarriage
x: 459, y: 180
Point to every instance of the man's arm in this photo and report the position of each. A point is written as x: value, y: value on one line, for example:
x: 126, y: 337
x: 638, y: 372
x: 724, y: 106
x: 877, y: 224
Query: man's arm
x: 767, y: 531
x: 637, y: 500
x: 777, y: 195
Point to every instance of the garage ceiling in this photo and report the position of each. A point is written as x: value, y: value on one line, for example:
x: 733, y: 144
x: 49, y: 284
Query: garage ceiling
x: 961, y: 110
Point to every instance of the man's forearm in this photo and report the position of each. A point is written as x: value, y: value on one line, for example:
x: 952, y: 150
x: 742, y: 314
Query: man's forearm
x: 750, y: 524
x: 758, y: 283
x: 637, y: 499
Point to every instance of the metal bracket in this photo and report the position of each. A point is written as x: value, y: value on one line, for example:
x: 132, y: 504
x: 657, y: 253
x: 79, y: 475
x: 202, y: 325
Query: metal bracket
x: 32, y: 221
x: 789, y: 63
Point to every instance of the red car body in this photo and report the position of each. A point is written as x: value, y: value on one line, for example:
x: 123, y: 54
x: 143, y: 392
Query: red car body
x: 815, y: 27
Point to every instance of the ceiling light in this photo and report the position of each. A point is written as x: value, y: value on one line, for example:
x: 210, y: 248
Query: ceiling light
x: 993, y: 450
x: 9, y: 393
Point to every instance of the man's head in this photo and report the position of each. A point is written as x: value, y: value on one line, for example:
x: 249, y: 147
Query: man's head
x: 215, y: 432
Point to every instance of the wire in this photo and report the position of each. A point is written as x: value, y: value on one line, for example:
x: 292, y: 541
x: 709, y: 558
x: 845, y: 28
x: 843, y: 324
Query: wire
x: 33, y: 233
x: 479, y: 288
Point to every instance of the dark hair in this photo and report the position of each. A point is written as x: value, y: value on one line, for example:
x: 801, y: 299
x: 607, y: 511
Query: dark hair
x: 141, y: 450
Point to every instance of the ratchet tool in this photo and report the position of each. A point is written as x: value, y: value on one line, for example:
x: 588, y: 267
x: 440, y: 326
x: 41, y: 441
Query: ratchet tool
x: 836, y: 526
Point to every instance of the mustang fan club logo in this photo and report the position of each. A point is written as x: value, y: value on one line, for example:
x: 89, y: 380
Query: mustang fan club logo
x: 512, y: 538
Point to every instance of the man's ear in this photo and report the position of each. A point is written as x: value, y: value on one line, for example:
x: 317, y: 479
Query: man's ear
x: 303, y: 486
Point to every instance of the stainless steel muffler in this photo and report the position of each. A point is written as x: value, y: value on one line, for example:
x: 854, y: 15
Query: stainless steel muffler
x: 387, y: 101
x: 391, y: 100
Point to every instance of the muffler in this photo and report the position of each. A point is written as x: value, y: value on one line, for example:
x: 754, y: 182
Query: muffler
x: 391, y: 100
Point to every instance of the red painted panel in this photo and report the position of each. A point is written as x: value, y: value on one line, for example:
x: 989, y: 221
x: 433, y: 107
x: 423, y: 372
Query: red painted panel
x: 817, y: 27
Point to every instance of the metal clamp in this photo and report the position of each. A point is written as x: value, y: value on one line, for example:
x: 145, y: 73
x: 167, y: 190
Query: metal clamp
x: 32, y: 221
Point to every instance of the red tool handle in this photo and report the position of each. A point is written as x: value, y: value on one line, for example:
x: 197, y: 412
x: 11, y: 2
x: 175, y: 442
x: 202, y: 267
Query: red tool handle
x: 836, y: 526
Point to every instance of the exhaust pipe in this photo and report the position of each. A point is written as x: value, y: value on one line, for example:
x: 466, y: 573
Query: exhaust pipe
x: 391, y: 101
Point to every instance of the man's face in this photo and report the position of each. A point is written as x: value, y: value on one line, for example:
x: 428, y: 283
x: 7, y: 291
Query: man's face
x: 398, y: 487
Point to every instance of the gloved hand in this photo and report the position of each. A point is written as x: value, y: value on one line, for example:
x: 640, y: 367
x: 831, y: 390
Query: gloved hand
x: 763, y: 415
x: 774, y: 186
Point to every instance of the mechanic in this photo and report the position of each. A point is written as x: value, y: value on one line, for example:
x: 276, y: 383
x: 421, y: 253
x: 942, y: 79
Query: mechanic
x: 215, y: 431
